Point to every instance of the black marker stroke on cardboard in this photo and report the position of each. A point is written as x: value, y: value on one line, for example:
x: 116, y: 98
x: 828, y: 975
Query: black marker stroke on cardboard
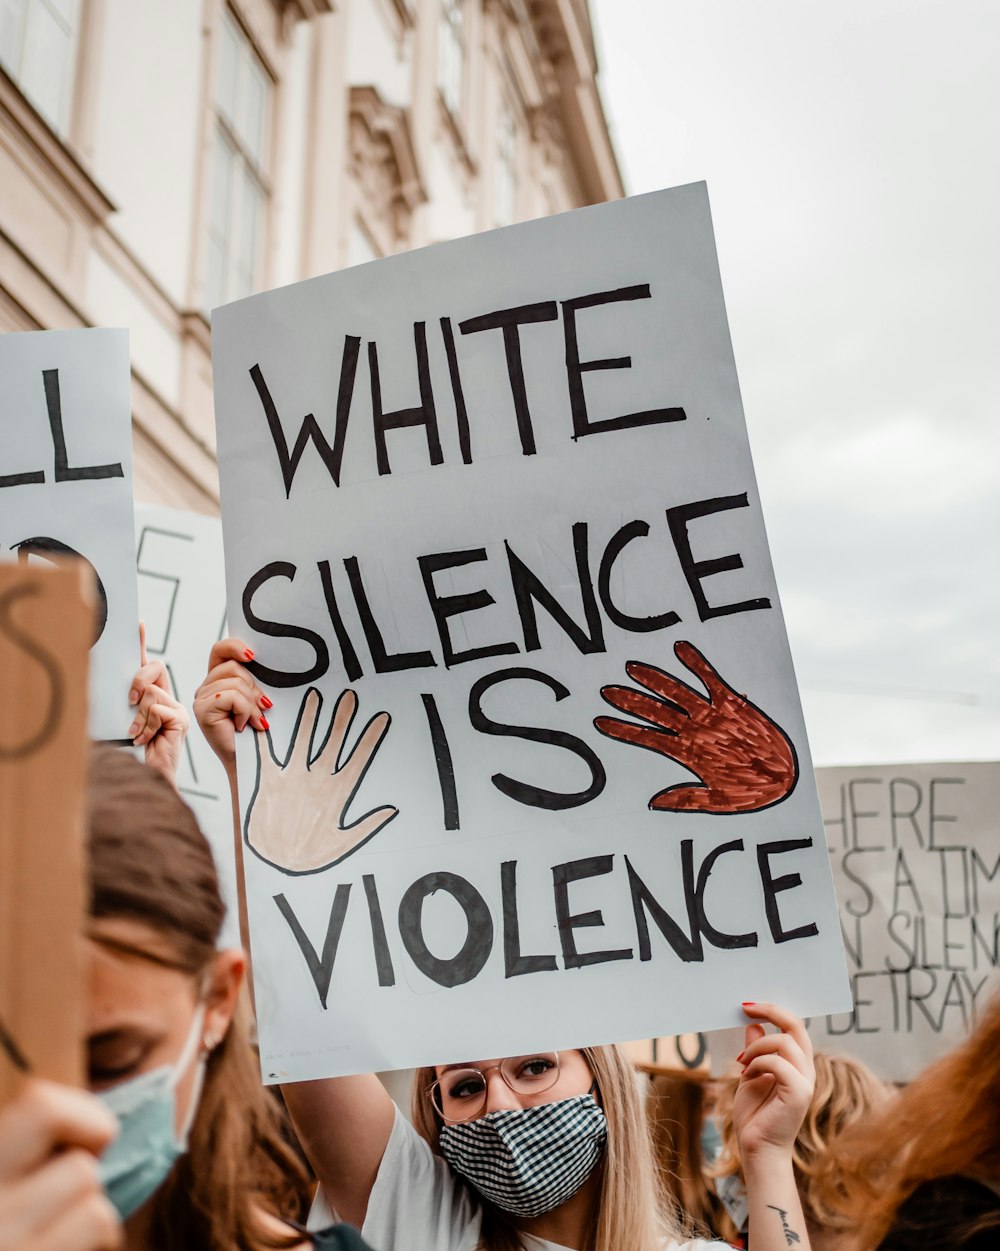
x: 744, y: 761
x: 296, y: 820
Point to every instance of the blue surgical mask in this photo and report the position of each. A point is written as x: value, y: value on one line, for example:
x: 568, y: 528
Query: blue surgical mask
x: 711, y: 1140
x: 139, y: 1160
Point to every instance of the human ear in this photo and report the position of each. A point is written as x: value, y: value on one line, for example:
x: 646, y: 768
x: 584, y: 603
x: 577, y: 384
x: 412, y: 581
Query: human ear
x: 225, y: 980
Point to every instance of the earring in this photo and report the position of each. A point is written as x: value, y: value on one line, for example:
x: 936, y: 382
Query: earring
x: 211, y: 1041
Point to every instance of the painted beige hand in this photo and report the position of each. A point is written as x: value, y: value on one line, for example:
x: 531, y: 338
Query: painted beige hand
x: 296, y: 820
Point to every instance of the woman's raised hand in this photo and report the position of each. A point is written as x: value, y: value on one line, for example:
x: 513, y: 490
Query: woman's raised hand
x: 161, y: 723
x: 229, y: 700
x: 776, y: 1085
x: 50, y: 1194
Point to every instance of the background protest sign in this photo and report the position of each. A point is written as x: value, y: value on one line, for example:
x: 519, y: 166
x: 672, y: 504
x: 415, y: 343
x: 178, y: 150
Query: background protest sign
x: 916, y: 860
x: 536, y: 774
x: 46, y: 624
x: 182, y: 599
x: 66, y: 486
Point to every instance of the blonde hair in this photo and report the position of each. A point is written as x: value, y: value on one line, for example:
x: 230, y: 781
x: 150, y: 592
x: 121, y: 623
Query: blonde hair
x: 677, y: 1103
x: 632, y: 1212
x: 846, y: 1094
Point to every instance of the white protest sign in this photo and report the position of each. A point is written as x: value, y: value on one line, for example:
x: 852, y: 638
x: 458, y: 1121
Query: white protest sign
x: 182, y: 599
x: 66, y: 486
x: 536, y: 773
x: 916, y: 858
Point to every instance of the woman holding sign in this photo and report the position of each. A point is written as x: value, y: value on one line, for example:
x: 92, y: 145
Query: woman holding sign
x: 537, y: 1152
x: 178, y: 1146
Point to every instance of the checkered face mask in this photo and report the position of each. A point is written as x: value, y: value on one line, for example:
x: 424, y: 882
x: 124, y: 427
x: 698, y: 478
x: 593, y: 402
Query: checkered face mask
x: 529, y: 1160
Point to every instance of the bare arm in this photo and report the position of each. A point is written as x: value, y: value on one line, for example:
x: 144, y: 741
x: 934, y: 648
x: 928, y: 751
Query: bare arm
x: 776, y: 1217
x: 343, y: 1123
x: 771, y: 1102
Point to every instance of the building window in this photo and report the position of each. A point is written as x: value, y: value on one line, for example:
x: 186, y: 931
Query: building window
x: 451, y: 55
x: 505, y: 190
x: 37, y: 43
x: 239, y: 190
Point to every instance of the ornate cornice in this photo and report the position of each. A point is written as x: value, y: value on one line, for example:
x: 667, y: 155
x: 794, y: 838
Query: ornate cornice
x: 383, y: 159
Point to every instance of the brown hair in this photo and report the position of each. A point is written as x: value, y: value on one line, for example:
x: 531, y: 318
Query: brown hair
x: 149, y: 861
x: 676, y: 1115
x: 847, y: 1092
x: 632, y: 1211
x: 944, y: 1124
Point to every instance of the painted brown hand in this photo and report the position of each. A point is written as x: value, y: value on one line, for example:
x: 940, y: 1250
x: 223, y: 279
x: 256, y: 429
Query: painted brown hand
x: 296, y: 817
x: 743, y: 760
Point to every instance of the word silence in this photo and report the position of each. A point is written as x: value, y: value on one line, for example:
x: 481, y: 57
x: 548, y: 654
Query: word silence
x: 547, y: 585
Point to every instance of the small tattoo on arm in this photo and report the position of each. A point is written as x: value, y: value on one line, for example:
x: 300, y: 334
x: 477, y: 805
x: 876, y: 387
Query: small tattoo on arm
x: 791, y: 1237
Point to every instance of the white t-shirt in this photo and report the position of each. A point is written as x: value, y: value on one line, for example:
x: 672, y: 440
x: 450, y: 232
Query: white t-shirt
x: 418, y: 1204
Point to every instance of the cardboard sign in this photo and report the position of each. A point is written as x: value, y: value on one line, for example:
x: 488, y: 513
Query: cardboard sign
x: 916, y: 857
x: 66, y: 487
x: 46, y: 624
x: 536, y: 774
x: 182, y: 599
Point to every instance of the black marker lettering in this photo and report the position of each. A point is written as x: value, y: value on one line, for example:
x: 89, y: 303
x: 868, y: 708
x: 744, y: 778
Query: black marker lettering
x: 638, y: 625
x: 279, y: 630
x: 320, y: 967
x: 774, y: 885
x: 509, y: 320
x: 64, y: 471
x: 575, y: 368
x: 445, y: 606
x: 424, y: 414
x: 523, y: 792
x: 383, y: 662
x: 445, y: 766
x: 687, y: 946
x: 516, y: 964
x: 568, y: 923
x: 529, y: 589
x: 383, y: 958
x: 309, y: 431
x: 478, y: 943
x: 695, y: 571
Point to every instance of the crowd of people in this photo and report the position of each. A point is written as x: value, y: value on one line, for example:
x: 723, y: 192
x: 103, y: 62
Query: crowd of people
x: 177, y: 1145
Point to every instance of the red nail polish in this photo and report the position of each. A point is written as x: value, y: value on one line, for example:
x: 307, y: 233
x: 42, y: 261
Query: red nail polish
x: 750, y: 1003
x: 739, y: 1058
x: 263, y: 723
x: 248, y: 653
x: 265, y: 702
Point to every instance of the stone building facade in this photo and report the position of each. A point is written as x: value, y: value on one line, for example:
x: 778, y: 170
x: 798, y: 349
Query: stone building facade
x: 161, y: 157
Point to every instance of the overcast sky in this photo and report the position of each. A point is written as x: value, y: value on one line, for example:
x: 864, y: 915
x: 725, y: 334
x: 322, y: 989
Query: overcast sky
x: 852, y: 154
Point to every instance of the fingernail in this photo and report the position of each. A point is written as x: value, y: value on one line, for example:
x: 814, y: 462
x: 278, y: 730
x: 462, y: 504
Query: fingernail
x: 750, y: 1003
x: 133, y: 697
x: 739, y: 1058
x: 248, y: 653
x: 265, y: 702
x: 264, y: 723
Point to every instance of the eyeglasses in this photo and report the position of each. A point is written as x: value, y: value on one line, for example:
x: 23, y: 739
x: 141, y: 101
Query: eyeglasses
x: 460, y: 1094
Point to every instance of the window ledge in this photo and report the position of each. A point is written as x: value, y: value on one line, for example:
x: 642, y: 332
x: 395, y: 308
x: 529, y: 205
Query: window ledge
x: 31, y: 133
x: 306, y: 9
x: 457, y: 132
